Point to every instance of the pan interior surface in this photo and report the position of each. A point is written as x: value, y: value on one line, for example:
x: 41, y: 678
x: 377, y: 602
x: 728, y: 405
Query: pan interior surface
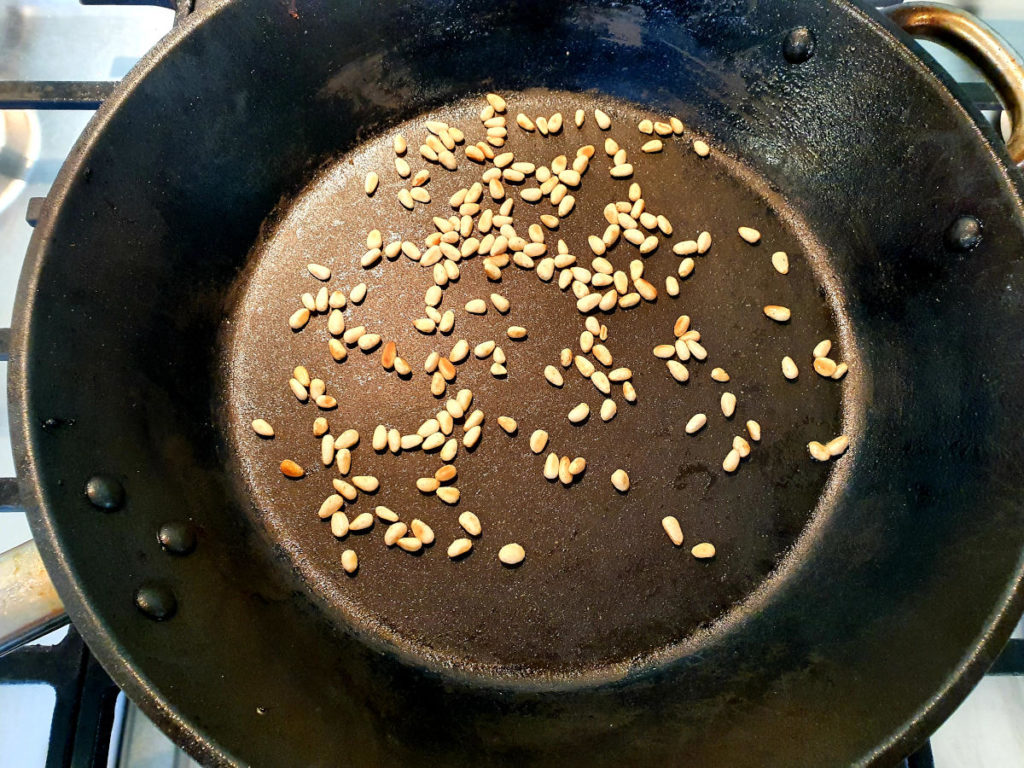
x: 601, y: 587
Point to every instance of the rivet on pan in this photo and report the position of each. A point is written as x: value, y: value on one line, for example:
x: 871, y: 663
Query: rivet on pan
x: 798, y: 46
x: 964, y: 234
x: 104, y: 492
x: 177, y: 538
x: 156, y: 601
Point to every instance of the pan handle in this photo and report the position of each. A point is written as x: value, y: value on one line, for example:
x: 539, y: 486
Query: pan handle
x: 979, y: 44
x: 29, y: 605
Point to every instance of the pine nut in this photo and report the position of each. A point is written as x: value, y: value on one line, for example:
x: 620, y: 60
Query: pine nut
x: 405, y: 198
x: 358, y: 293
x: 422, y: 531
x: 703, y: 551
x: 741, y: 446
x: 472, y: 437
x: 754, y: 430
x: 538, y: 441
x: 840, y: 371
x: 370, y: 184
x: 330, y: 506
x: 678, y: 370
x: 719, y: 374
x: 459, y: 547
x: 620, y: 480
x: 608, y: 409
x: 671, y: 526
x: 516, y: 332
x: 394, y: 440
x: 551, y: 466
x: 728, y: 404
x: 837, y: 446
x: 300, y: 392
x: 449, y: 494
x: 385, y: 514
x: 299, y: 319
x: 394, y: 532
x: 704, y: 243
x: 749, y: 234
x: 732, y: 461
x: 701, y: 148
x: 349, y: 561
x: 577, y: 466
x: 262, y: 428
x: 622, y: 171
x: 825, y: 367
x: 470, y: 523
x: 579, y: 413
x: 822, y: 348
x: 508, y: 424
x: 789, y: 369
x: 777, y: 313
x: 290, y: 469
x: 654, y: 145
x: 366, y: 483
x: 818, y: 451
x: 781, y: 262
x: 554, y: 376
x: 320, y: 426
x: 368, y: 341
x: 629, y: 392
x: 511, y: 554
x: 645, y: 126
x: 410, y: 544
x: 696, y: 423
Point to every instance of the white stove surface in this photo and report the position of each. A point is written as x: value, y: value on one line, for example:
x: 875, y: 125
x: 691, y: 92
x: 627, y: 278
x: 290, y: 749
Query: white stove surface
x: 62, y: 40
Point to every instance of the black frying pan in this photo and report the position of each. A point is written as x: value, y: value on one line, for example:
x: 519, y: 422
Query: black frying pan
x: 206, y: 585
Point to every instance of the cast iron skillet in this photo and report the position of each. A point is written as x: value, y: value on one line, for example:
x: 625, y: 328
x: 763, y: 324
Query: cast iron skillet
x: 117, y: 385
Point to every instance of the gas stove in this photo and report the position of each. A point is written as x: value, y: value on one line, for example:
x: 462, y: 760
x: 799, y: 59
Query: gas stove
x: 58, y: 61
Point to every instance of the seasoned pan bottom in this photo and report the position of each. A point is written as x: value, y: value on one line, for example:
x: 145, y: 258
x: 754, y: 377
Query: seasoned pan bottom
x: 601, y: 586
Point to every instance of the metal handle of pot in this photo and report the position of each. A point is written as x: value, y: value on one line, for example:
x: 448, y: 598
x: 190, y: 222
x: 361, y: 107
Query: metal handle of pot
x: 29, y: 604
x: 979, y: 44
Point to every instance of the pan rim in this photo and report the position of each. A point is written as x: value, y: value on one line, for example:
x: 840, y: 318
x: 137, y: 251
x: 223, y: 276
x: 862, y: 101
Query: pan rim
x: 150, y: 699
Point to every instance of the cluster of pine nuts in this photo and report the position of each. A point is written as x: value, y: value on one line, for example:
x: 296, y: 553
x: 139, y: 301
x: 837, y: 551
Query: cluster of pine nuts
x: 481, y: 223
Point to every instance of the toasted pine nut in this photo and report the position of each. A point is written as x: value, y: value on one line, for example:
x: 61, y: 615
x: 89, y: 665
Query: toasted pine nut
x: 741, y: 446
x: 290, y: 469
x: 825, y: 366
